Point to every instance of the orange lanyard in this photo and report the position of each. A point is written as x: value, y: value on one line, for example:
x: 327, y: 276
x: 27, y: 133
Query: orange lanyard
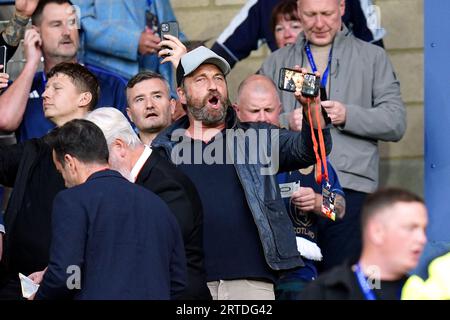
x: 320, y: 145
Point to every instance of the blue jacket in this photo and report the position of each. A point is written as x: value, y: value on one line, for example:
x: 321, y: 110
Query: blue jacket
x: 111, y: 32
x: 129, y: 249
x: 262, y: 191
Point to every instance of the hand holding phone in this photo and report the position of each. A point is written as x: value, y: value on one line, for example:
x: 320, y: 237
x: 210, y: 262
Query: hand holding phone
x: 168, y: 28
x: 172, y: 49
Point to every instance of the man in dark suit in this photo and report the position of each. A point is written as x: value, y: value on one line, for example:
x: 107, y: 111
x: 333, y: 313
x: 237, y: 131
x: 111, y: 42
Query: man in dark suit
x: 140, y: 164
x: 71, y: 92
x: 102, y: 246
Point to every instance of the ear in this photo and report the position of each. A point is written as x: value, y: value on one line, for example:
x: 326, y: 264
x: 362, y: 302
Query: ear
x: 119, y: 147
x: 129, y: 114
x: 375, y: 232
x: 181, y: 95
x: 279, y: 109
x: 342, y: 7
x: 71, y: 163
x: 37, y: 28
x: 172, y: 105
x: 85, y: 99
x: 236, y: 107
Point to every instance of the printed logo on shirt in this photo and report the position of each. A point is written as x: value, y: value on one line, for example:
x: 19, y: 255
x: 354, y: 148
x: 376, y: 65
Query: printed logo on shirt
x: 34, y: 95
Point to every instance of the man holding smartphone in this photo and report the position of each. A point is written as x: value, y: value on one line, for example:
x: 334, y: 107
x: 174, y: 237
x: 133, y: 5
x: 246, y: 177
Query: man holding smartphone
x: 364, y: 106
x: 55, y: 38
x: 9, y: 41
x: 248, y: 235
x: 121, y: 36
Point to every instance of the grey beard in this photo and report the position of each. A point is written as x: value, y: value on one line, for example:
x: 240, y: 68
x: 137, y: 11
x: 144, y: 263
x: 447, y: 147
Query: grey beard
x: 206, y: 118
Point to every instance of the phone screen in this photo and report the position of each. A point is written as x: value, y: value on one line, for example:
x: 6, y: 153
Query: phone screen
x: 290, y: 80
x: 3, y: 58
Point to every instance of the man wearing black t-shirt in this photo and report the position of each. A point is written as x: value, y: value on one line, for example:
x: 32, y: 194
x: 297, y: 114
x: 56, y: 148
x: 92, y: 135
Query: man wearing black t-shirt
x: 248, y: 235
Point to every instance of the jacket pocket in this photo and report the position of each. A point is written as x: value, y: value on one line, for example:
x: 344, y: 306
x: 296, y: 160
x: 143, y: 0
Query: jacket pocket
x: 282, y: 229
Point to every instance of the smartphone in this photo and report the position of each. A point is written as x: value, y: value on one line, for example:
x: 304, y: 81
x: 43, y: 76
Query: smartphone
x: 323, y: 97
x: 3, y: 58
x: 170, y: 27
x: 323, y: 94
x: 291, y: 80
x: 151, y: 21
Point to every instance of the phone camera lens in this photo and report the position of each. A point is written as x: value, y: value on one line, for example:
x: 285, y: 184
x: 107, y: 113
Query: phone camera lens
x: 165, y: 27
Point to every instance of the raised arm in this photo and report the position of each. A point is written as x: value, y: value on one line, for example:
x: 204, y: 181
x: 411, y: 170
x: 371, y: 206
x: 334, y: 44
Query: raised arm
x: 15, y: 29
x: 243, y: 33
x: 14, y: 100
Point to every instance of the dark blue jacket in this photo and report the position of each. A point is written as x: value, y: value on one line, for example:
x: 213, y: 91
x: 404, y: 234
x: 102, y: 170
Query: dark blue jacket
x: 122, y: 237
x: 261, y: 190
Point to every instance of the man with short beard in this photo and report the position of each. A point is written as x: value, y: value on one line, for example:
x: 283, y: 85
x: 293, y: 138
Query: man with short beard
x: 248, y: 235
x: 54, y: 37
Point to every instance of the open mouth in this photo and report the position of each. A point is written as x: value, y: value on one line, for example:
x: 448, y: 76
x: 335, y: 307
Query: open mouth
x: 213, y: 101
x: 150, y: 115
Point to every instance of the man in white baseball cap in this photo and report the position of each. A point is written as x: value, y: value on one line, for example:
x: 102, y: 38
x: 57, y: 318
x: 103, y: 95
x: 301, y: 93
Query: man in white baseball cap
x: 247, y: 234
x: 190, y: 62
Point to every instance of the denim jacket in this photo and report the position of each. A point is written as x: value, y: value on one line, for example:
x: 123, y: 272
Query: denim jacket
x: 261, y: 190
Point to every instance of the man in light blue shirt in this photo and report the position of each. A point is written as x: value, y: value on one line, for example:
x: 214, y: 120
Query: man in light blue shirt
x: 116, y: 38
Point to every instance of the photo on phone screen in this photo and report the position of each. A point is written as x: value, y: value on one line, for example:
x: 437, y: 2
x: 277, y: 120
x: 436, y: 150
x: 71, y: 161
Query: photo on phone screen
x: 290, y: 79
x: 3, y: 58
x: 311, y: 85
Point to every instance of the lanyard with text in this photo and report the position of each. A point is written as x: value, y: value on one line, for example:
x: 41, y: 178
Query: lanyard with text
x: 322, y: 158
x: 368, y: 293
x: 312, y: 63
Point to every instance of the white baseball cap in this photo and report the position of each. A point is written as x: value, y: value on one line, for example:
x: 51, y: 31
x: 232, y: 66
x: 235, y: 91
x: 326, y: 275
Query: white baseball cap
x: 201, y: 55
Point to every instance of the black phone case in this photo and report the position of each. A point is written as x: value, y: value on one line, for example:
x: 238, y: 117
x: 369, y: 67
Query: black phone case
x: 173, y: 29
x: 3, y: 58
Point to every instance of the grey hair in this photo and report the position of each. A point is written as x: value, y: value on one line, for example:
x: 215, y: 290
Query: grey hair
x: 114, y: 126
